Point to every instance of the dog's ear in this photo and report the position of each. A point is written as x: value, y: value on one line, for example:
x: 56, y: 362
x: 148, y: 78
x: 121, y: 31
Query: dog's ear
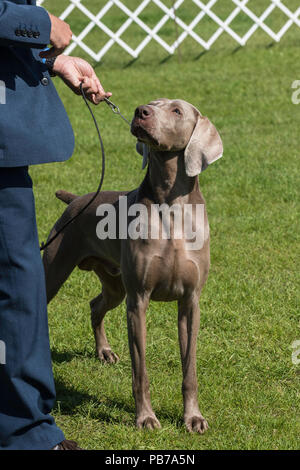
x: 204, y: 147
x: 143, y: 150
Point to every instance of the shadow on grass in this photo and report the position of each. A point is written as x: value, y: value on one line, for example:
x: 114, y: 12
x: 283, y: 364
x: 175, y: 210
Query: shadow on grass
x: 237, y: 49
x: 130, y: 63
x: 70, y: 401
x: 61, y: 357
x: 116, y: 410
x: 199, y: 56
x: 166, y: 59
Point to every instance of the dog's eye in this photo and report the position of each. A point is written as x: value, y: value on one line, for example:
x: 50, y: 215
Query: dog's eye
x: 177, y: 111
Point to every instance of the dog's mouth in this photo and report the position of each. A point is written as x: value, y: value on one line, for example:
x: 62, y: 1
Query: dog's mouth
x: 142, y: 130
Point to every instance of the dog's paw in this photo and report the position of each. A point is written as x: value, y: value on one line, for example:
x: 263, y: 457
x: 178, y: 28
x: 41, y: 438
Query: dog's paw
x: 196, y: 424
x: 107, y: 356
x: 148, y: 422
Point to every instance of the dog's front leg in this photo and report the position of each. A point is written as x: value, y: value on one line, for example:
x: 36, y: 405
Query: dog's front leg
x: 188, y: 326
x: 136, y: 319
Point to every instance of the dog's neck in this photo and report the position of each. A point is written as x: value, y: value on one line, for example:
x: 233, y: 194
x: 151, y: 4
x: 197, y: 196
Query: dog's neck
x: 167, y: 180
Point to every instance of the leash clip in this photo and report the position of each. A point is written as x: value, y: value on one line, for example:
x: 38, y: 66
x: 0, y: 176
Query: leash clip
x: 115, y: 109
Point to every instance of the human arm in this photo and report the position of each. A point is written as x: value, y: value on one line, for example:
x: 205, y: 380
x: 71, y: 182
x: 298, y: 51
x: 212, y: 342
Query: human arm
x: 24, y: 25
x: 33, y: 27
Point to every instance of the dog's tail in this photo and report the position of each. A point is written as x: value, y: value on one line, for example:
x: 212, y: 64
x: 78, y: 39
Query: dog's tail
x: 65, y: 196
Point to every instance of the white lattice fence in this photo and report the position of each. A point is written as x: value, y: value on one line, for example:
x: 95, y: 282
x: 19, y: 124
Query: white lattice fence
x: 183, y: 30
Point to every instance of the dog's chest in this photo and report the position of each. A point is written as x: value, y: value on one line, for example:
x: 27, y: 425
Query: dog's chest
x: 171, y: 258
x: 170, y: 273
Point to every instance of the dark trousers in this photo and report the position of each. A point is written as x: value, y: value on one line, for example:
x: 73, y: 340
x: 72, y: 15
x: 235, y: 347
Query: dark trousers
x: 27, y: 391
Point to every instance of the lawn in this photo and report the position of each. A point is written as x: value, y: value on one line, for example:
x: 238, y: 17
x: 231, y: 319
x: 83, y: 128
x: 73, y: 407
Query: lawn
x: 249, y: 389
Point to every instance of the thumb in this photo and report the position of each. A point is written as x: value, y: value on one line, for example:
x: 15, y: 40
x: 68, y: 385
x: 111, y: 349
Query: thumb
x: 86, y: 81
x: 76, y: 85
x: 87, y: 84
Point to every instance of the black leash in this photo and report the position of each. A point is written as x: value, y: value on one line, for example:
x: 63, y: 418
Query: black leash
x: 116, y: 110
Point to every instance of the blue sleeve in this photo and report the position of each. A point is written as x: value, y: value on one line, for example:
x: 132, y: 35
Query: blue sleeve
x: 24, y: 25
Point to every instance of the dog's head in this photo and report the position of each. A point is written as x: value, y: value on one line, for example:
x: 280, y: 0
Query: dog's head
x: 175, y: 125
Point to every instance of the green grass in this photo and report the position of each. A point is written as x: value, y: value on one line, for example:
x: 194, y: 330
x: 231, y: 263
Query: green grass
x: 248, y: 387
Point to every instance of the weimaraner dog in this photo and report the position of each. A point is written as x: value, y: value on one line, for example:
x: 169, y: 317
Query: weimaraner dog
x: 177, y: 143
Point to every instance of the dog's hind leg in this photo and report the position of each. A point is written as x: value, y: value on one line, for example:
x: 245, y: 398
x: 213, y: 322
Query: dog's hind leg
x: 60, y: 258
x: 112, y: 295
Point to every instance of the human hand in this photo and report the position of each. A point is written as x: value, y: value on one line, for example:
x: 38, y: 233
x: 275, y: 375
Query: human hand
x: 74, y: 71
x: 60, y: 37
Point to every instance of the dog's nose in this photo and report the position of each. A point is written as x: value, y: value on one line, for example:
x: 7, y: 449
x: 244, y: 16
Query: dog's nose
x: 143, y: 112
